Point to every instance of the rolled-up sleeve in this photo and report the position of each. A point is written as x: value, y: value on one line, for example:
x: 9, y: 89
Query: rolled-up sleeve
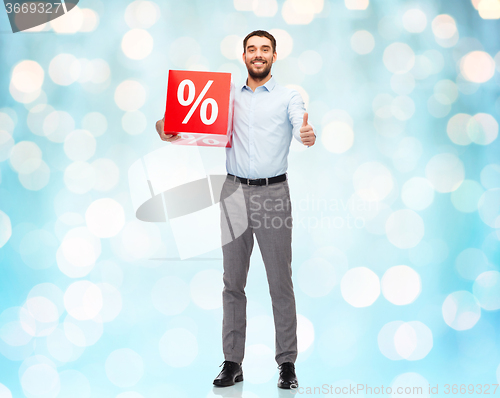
x: 296, y: 110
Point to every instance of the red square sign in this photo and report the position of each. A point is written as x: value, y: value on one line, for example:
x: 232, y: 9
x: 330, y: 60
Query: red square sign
x: 200, y: 106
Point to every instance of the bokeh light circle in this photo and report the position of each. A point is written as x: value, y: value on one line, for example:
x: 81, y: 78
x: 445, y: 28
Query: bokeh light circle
x: 206, y: 287
x: 124, y: 367
x: 404, y: 228
x: 137, y: 44
x: 317, y: 277
x: 310, y: 62
x: 70, y: 22
x: 471, y: 262
x: 36, y: 179
x: 25, y: 157
x: 265, y: 8
x: 457, y: 129
x: 79, y: 145
x: 445, y: 171
x: 95, y: 123
x: 83, y: 333
x: 305, y: 333
x: 360, y: 287
x: 414, y: 20
x: 489, y: 207
x: 401, y: 285
x: 27, y: 76
x: 80, y: 177
x: 130, y: 95
x: 482, y: 128
x: 105, y: 217
x: 57, y: 125
x: 477, y: 66
x: 4, y: 392
x: 417, y: 193
x: 413, y: 340
x: 111, y: 302
x: 83, y: 300
x: 285, y: 43
x: 490, y: 176
x: 107, y: 174
x: 362, y: 42
x: 486, y: 289
x: 40, y: 380
x: 466, y: 197
x: 64, y: 69
x: 444, y: 26
x: 461, y: 310
x: 399, y: 58
x: 372, y: 181
x: 337, y: 137
x: 134, y: 123
x: 142, y: 14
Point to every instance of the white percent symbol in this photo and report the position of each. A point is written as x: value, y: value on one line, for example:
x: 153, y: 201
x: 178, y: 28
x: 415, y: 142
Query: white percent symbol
x: 193, y: 139
x: 189, y: 100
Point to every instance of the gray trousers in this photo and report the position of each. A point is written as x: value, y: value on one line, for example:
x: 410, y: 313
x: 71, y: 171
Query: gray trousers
x: 265, y: 211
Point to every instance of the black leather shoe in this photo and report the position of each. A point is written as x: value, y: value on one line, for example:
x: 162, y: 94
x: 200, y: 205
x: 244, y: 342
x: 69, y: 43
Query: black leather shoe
x: 287, y: 379
x: 230, y: 373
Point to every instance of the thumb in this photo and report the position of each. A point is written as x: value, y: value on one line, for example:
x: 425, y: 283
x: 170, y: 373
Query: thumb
x: 304, y: 123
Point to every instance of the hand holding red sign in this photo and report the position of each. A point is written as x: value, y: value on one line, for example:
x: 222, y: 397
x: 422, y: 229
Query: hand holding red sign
x: 200, y: 107
x: 307, y: 133
x: 163, y: 136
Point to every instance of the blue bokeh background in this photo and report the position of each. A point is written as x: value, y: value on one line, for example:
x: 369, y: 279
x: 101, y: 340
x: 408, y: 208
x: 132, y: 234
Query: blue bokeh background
x: 396, y: 208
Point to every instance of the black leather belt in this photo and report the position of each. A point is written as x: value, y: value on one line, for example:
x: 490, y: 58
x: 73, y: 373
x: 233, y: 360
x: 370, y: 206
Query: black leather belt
x: 260, y: 181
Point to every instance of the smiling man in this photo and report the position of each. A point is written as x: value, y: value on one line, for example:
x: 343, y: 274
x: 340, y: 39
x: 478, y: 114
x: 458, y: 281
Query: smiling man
x: 266, y: 118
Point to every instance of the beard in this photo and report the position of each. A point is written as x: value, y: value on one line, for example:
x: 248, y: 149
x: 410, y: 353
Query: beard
x: 259, y: 75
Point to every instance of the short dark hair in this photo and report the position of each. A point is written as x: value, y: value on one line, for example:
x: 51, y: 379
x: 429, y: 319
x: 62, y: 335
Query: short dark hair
x: 260, y: 33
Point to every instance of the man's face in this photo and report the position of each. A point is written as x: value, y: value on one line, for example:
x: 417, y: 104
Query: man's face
x: 259, y: 56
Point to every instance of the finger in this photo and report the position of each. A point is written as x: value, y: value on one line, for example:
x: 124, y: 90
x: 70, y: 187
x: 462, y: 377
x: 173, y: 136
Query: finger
x: 160, y: 124
x: 175, y: 137
x: 304, y: 123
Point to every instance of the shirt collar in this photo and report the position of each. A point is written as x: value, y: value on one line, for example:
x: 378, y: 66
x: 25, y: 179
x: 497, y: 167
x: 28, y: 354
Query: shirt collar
x: 270, y: 84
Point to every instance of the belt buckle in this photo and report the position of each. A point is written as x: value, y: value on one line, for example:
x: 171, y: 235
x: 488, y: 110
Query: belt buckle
x: 248, y: 181
x: 267, y: 181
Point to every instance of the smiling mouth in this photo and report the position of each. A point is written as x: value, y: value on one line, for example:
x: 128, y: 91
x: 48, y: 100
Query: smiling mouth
x: 258, y: 63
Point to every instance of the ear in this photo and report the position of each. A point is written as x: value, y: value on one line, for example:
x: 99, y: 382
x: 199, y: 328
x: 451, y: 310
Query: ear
x: 243, y: 57
x: 275, y: 57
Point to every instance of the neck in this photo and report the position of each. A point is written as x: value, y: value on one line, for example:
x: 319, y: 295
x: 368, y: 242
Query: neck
x: 253, y: 82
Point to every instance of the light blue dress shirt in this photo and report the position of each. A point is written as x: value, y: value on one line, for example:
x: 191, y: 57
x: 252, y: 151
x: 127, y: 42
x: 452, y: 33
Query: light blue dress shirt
x: 263, y: 126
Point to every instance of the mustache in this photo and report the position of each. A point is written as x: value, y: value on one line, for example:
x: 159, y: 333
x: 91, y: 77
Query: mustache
x: 258, y: 60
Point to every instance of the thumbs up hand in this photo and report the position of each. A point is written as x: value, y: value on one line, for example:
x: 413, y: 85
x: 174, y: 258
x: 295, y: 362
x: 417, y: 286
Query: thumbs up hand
x: 307, y: 133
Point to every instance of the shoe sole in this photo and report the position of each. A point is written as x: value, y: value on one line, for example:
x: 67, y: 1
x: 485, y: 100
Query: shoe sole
x: 236, y: 380
x: 288, y: 387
